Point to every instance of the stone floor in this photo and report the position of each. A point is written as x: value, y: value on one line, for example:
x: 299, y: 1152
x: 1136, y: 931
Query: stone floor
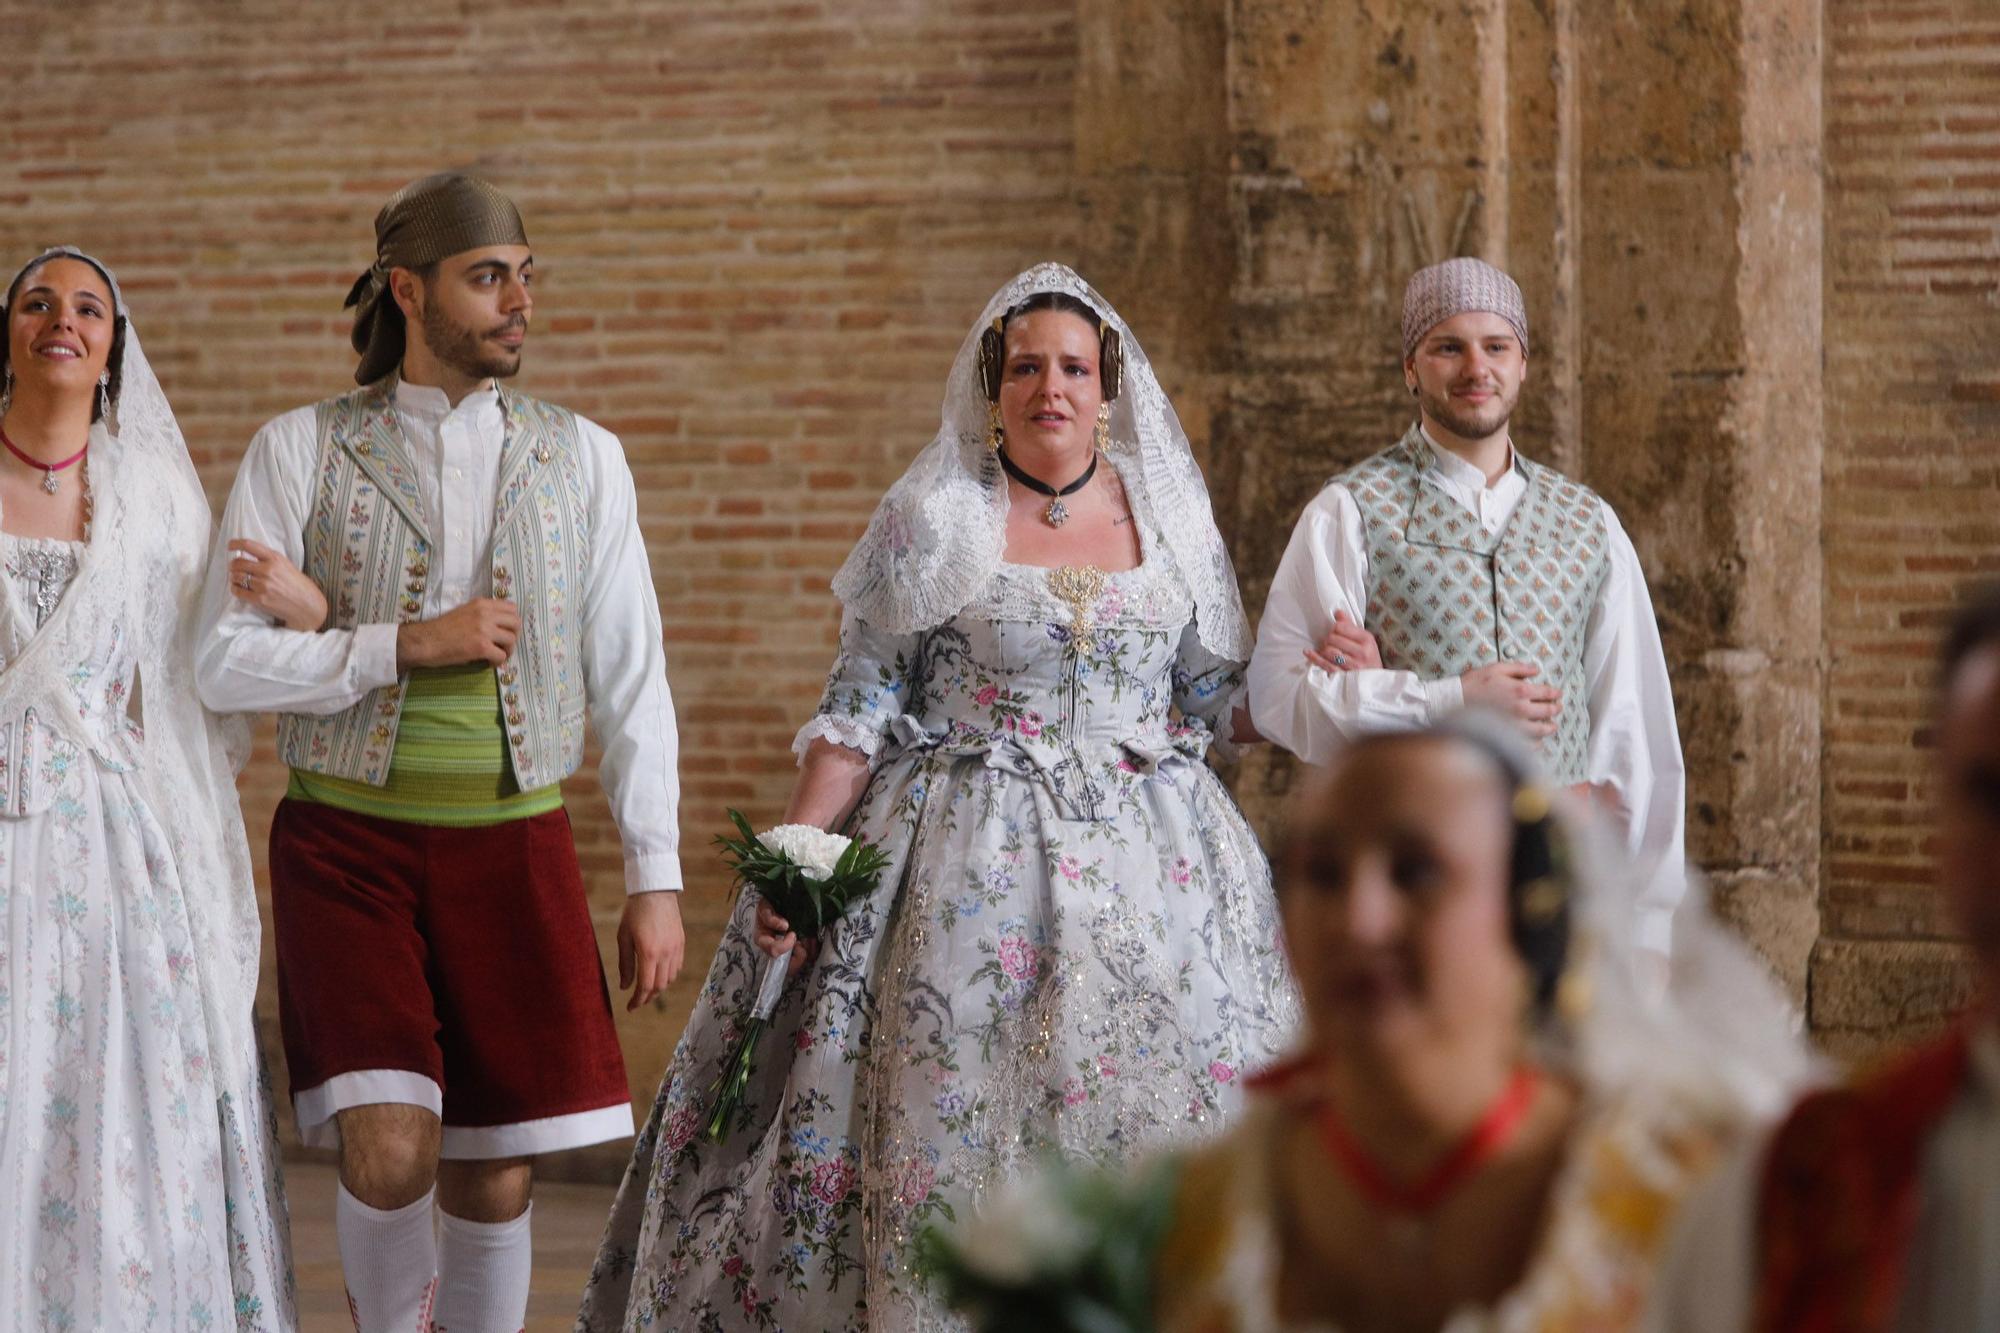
x: 568, y: 1221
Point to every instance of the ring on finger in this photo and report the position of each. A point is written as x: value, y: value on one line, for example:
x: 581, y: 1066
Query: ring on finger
x: 242, y: 580
x: 1340, y: 659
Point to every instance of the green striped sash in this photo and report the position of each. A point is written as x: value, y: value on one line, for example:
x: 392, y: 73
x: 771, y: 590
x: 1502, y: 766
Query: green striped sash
x: 450, y: 765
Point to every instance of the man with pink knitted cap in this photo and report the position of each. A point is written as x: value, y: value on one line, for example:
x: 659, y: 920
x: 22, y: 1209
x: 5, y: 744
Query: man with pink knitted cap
x: 1449, y: 571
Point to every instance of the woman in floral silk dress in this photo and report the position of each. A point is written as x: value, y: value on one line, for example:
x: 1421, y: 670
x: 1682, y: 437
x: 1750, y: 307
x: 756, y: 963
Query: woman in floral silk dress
x: 1074, y: 949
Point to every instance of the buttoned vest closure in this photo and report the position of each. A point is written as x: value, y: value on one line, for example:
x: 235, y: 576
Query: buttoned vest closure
x: 368, y: 547
x: 1445, y: 596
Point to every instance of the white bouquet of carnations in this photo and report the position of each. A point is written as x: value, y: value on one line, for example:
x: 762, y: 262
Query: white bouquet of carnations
x: 809, y: 877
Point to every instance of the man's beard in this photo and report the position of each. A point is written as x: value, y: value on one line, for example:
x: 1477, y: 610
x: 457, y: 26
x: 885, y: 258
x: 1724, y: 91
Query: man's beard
x: 1469, y: 425
x: 462, y: 348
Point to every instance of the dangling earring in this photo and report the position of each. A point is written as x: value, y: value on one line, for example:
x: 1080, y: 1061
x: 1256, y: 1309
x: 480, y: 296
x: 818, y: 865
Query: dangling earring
x: 996, y: 434
x: 104, y: 399
x: 1103, y: 428
x: 6, y: 389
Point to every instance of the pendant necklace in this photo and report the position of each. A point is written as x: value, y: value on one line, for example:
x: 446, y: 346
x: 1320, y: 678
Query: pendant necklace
x: 1411, y: 1204
x: 1057, y: 513
x: 49, y: 470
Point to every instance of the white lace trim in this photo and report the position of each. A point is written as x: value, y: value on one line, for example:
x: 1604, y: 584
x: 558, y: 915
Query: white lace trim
x: 852, y: 732
x: 1149, y: 597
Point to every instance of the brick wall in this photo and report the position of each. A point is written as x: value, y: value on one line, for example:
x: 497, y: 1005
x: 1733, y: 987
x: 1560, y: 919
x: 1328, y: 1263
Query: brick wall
x: 1912, y: 469
x: 761, y: 229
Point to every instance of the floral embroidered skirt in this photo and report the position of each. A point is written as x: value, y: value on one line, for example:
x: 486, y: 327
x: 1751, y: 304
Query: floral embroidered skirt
x: 1022, y: 984
x: 136, y: 1192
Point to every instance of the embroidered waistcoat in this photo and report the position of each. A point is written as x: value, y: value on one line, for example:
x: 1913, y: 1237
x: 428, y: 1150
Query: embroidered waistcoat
x: 1445, y: 596
x: 368, y: 547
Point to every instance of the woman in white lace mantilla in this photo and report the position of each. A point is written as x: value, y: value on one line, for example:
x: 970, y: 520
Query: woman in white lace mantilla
x: 1075, y: 946
x: 138, y: 1158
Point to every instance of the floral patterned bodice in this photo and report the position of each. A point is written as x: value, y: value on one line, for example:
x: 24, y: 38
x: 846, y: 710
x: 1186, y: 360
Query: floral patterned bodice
x: 1085, y: 680
x: 38, y: 761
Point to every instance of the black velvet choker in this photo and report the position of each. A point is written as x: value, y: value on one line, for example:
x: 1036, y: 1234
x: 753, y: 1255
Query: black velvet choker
x: 1057, y: 513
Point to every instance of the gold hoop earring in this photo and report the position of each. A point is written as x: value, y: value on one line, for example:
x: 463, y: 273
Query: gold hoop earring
x: 1103, y: 428
x: 996, y: 434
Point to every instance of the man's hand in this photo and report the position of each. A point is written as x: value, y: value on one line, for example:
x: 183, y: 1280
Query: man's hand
x: 274, y: 585
x: 773, y: 935
x: 483, y: 630
x: 1347, y: 647
x: 1598, y: 797
x: 1508, y: 687
x: 651, y: 944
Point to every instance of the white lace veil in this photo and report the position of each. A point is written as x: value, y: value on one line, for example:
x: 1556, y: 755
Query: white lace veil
x: 937, y: 536
x: 143, y: 569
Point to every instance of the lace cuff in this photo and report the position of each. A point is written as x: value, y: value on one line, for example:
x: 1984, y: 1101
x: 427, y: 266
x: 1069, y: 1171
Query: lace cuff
x: 852, y: 732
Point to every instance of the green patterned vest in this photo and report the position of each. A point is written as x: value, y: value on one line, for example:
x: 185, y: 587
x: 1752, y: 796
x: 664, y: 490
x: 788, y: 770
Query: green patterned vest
x: 1444, y: 596
x: 369, y: 549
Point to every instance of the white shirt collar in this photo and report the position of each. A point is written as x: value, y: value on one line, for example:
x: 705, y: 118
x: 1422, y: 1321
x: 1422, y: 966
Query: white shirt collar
x: 1455, y: 469
x: 424, y: 400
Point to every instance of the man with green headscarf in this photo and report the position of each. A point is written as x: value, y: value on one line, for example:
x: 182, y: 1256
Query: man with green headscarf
x: 486, y: 587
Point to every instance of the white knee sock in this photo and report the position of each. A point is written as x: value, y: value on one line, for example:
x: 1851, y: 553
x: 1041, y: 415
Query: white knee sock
x: 389, y: 1257
x: 483, y: 1272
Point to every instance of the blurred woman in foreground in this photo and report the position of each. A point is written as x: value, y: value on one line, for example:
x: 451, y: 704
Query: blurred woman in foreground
x: 1492, y: 1120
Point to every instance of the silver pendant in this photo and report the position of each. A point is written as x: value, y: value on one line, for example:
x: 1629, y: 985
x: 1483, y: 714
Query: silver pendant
x: 49, y: 482
x: 1057, y: 513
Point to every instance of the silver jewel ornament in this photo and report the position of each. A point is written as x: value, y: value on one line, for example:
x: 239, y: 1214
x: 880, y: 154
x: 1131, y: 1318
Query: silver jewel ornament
x: 49, y: 482
x: 1057, y: 513
x: 49, y: 570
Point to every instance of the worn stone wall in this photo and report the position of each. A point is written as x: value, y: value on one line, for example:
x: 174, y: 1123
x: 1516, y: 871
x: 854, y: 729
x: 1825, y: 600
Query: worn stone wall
x: 1759, y: 241
x: 1653, y: 179
x: 1912, y: 299
x: 762, y: 230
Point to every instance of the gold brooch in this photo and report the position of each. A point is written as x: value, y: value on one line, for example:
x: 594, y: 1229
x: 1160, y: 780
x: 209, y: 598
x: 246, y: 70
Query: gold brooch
x: 1078, y: 587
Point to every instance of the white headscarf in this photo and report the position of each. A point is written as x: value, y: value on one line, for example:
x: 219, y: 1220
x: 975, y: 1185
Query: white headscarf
x: 938, y: 534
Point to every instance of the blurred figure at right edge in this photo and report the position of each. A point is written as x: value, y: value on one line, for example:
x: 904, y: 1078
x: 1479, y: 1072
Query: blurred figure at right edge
x: 1876, y: 1206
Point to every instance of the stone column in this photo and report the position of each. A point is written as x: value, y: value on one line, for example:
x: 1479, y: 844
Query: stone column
x: 1700, y: 348
x: 1651, y: 175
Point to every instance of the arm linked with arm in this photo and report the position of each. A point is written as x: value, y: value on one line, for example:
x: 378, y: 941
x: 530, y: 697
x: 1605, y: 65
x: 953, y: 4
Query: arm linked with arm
x: 1305, y: 708
x: 245, y: 663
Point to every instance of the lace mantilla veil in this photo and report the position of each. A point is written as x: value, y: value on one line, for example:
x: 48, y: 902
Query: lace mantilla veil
x: 143, y: 569
x: 937, y: 536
